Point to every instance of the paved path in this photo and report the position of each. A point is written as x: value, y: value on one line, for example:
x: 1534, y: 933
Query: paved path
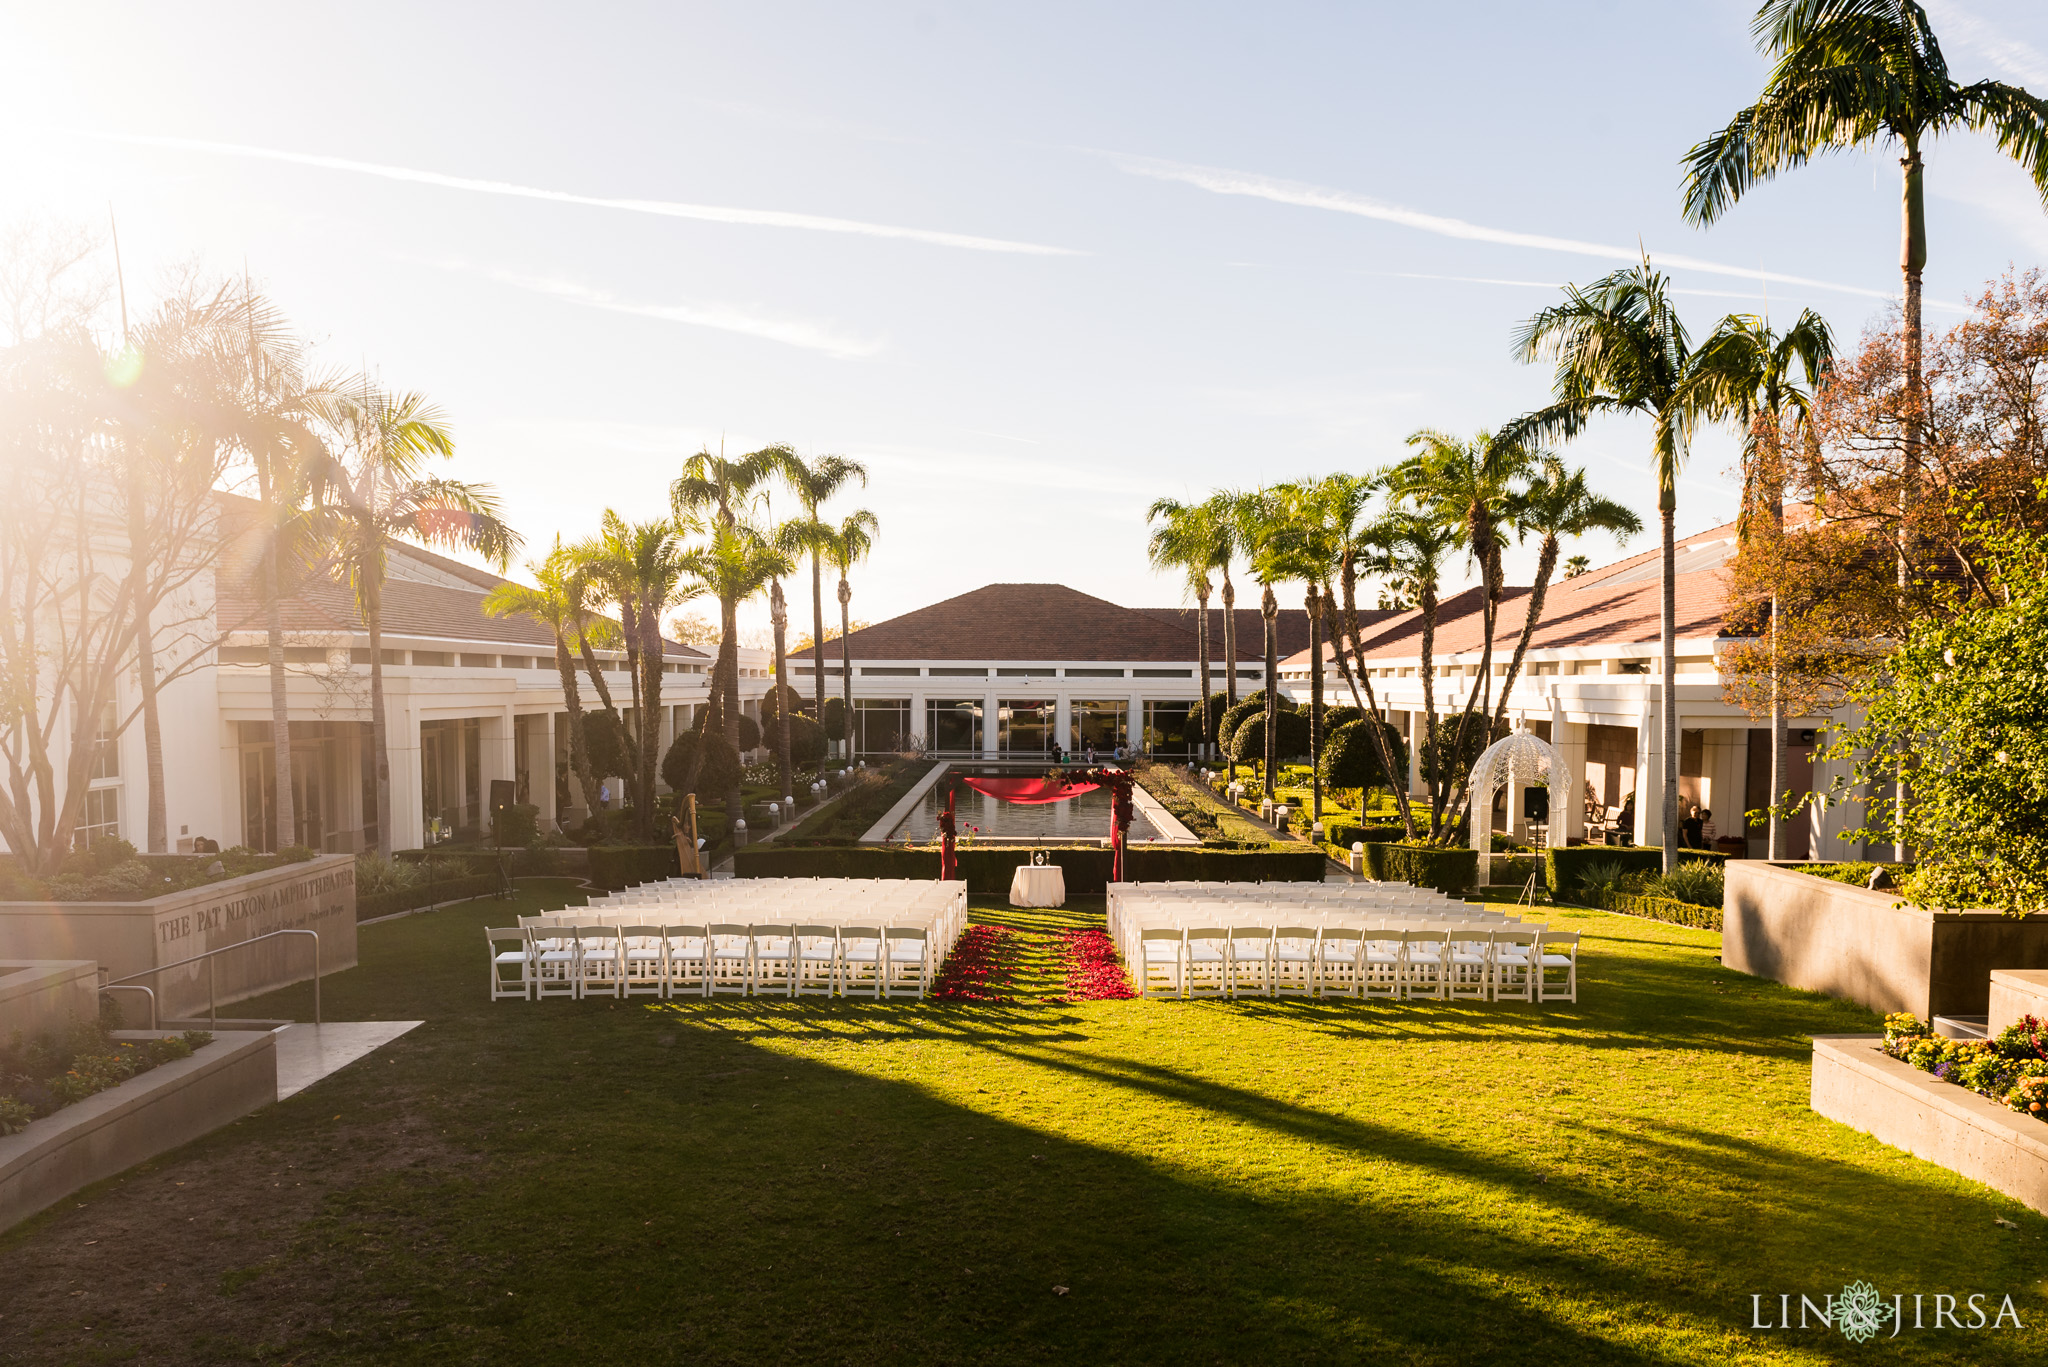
x: 307, y: 1053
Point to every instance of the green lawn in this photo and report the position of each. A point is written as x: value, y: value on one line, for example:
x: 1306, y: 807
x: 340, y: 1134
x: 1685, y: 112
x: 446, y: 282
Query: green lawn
x: 1255, y: 1182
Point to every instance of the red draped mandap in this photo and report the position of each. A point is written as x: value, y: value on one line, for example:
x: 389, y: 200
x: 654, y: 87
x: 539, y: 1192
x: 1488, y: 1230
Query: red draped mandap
x: 1046, y: 789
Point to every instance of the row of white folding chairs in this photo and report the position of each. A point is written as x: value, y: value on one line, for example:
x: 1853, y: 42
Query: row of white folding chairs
x: 1136, y: 916
x: 597, y: 958
x: 1515, y: 963
x: 941, y: 929
x: 1388, y: 925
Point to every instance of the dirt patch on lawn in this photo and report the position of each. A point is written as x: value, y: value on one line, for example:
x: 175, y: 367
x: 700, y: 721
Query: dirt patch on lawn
x: 201, y: 1257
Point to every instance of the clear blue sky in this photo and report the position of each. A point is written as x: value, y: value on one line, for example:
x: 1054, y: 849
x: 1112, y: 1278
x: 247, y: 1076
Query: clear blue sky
x: 1034, y: 264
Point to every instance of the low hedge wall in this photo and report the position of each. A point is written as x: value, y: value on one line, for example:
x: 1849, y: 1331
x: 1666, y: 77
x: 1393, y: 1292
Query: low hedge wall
x: 988, y: 871
x: 613, y: 867
x: 1446, y: 870
x: 1664, y: 909
x: 426, y: 895
x: 1345, y: 834
x: 1561, y: 866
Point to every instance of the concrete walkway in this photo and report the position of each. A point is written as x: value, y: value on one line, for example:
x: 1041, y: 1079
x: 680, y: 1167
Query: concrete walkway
x: 307, y: 1053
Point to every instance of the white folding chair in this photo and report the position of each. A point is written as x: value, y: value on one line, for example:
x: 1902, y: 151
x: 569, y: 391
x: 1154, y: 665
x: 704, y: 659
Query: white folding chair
x: 1293, y: 970
x: 1469, y: 964
x: 817, y: 960
x: 600, y: 961
x: 689, y: 961
x: 731, y: 954
x: 1340, y: 961
x: 1161, y: 956
x: 1251, y: 961
x: 774, y: 959
x: 1514, y: 964
x: 555, y: 970
x: 909, y: 961
x: 1557, y: 949
x: 1422, y: 963
x: 1206, y: 968
x: 646, y: 960
x: 1381, y: 966
x: 519, y: 959
x: 862, y: 967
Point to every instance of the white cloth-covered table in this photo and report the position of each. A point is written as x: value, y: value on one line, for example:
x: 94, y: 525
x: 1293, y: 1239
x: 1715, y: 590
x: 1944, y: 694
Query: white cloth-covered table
x: 1038, y: 885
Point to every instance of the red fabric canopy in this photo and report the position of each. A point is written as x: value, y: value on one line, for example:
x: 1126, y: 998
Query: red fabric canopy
x: 1028, y: 789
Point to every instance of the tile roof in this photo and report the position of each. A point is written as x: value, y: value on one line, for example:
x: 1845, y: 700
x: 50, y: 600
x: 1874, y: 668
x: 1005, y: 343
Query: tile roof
x: 320, y: 603
x: 1616, y: 605
x: 1291, y: 626
x: 1033, y: 622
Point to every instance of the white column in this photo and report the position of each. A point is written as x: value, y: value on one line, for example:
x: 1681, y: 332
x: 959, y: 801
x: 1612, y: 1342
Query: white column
x: 402, y: 751
x: 1418, y: 728
x: 920, y: 724
x: 540, y: 765
x: 1650, y: 761
x: 234, y: 820
x: 1063, y: 721
x: 1570, y: 739
x: 1134, y: 722
x: 991, y: 723
x: 494, y: 734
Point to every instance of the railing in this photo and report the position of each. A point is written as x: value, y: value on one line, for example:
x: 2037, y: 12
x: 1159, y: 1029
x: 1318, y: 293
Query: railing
x: 212, y: 1005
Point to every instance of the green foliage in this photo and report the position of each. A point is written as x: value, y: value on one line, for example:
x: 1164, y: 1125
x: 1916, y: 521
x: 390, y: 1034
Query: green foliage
x: 720, y: 773
x: 835, y: 719
x: 1856, y: 872
x: 1251, y: 705
x: 623, y: 866
x: 2012, y: 1069
x: 1965, y: 695
x: 517, y: 824
x: 1351, y: 758
x: 875, y: 790
x: 806, y: 742
x: 1566, y: 869
x: 1345, y: 834
x: 1195, y: 808
x: 605, y: 741
x: 1248, y: 742
x: 750, y: 733
x: 778, y: 696
x: 1334, y: 717
x: 1426, y: 866
x: 1698, y: 881
x: 1660, y: 909
x: 46, y: 1073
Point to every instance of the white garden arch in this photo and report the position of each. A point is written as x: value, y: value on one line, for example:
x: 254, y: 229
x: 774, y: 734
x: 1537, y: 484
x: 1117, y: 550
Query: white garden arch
x: 1521, y: 759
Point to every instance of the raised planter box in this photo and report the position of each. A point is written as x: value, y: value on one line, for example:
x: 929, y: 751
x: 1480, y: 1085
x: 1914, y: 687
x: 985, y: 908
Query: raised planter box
x: 111, y: 1131
x: 46, y: 996
x: 129, y: 937
x: 1870, y: 947
x: 2016, y: 992
x: 1855, y: 1082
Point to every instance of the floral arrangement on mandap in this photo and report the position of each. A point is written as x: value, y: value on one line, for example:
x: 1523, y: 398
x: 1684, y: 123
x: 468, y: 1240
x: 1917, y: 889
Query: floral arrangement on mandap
x: 2012, y: 1069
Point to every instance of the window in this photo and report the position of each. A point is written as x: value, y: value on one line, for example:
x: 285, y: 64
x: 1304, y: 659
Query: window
x: 106, y: 747
x: 1025, y: 727
x: 1171, y: 727
x: 888, y: 671
x: 479, y: 662
x: 981, y: 673
x: 1162, y: 673
x: 1095, y: 673
x: 953, y: 725
x: 101, y: 819
x: 1034, y: 672
x: 1100, y: 724
x: 435, y: 659
x: 360, y: 656
x: 1631, y: 666
x: 880, y: 724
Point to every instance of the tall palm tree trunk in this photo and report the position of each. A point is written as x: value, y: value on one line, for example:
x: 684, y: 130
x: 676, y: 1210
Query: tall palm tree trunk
x: 650, y: 718
x: 1546, y: 565
x: 1202, y: 652
x: 1269, y: 609
x: 380, y: 734
x: 1667, y: 515
x: 778, y: 615
x: 729, y: 628
x: 818, y: 635
x: 145, y: 670
x: 1229, y: 640
x: 1425, y: 599
x: 845, y: 662
x: 1315, y: 701
x: 1395, y: 780
x: 280, y: 706
x: 579, y: 746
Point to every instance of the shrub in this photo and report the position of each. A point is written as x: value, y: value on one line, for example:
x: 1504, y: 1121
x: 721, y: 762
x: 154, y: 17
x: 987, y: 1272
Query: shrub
x: 1659, y: 908
x: 720, y: 772
x: 605, y: 740
x: 1248, y: 741
x: 2010, y: 1069
x: 517, y: 824
x: 1351, y: 759
x: 1426, y: 866
x: 613, y: 867
x: 1564, y: 867
x: 835, y: 718
x: 1856, y: 872
x: 44, y: 1074
x: 1334, y: 717
x: 1697, y: 881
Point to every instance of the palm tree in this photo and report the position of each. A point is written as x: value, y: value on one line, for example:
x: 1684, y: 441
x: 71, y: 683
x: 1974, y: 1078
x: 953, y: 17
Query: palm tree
x: 1259, y: 518
x: 1222, y: 512
x: 1749, y: 371
x: 733, y: 564
x: 547, y: 603
x: 1619, y: 347
x: 1557, y: 504
x: 378, y: 495
x: 850, y: 544
x: 639, y: 566
x: 1404, y: 546
x: 814, y: 482
x: 724, y: 490
x: 1858, y: 73
x: 1187, y: 540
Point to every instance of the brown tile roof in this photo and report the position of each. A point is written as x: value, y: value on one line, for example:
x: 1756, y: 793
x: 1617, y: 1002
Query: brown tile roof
x: 1616, y: 605
x: 1031, y: 622
x: 1291, y: 626
x: 321, y: 603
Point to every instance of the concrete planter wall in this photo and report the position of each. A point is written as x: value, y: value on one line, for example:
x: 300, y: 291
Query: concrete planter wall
x: 128, y: 937
x: 45, y: 996
x: 1870, y: 947
x: 1855, y: 1082
x: 112, y: 1131
x: 2017, y: 992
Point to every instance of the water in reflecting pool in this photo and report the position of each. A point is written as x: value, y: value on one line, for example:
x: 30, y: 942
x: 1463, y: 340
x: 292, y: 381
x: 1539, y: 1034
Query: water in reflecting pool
x: 1078, y: 818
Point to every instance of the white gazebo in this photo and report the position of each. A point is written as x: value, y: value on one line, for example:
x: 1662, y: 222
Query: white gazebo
x: 1520, y: 760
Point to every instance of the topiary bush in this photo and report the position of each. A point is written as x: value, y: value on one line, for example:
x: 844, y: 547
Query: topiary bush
x: 720, y: 772
x: 1350, y: 759
x: 605, y: 740
x: 1248, y: 741
x: 1426, y: 866
x: 1334, y: 717
x: 517, y: 824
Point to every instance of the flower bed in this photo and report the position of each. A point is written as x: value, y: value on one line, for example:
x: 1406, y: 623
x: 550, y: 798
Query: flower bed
x: 979, y: 968
x: 2011, y: 1070
x: 1093, y: 972
x: 47, y: 1074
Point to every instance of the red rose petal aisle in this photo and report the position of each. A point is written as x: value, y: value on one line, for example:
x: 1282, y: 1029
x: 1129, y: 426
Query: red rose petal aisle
x: 1094, y: 973
x: 980, y: 967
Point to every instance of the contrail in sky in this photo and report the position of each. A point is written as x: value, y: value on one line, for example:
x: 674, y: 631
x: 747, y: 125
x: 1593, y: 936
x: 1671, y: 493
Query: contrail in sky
x: 1223, y: 182
x: 709, y: 213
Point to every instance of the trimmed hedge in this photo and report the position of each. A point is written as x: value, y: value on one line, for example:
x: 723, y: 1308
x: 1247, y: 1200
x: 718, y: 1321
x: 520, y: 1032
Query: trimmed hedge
x: 1561, y: 866
x: 613, y: 867
x: 426, y: 895
x: 1345, y: 834
x: 1446, y: 870
x: 1664, y: 909
x: 988, y: 870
